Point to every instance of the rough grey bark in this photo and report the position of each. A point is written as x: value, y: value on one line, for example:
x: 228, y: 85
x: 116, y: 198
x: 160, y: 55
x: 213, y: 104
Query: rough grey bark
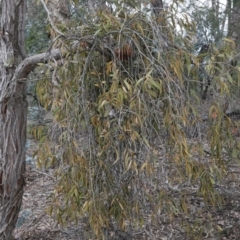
x: 13, y: 110
x: 13, y: 114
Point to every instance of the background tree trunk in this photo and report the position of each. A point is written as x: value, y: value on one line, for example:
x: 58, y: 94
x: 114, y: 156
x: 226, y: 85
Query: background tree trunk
x: 234, y: 24
x: 13, y: 115
x: 58, y: 10
x: 157, y: 6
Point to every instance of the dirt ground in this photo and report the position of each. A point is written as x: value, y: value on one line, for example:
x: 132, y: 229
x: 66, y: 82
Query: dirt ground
x: 212, y: 223
x: 218, y: 223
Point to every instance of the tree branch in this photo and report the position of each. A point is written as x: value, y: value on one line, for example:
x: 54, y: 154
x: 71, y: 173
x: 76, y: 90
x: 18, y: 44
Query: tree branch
x: 30, y: 63
x: 50, y: 19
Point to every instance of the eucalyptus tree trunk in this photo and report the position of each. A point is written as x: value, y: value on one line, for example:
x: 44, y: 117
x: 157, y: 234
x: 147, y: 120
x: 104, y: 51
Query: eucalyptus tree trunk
x: 14, y: 68
x: 215, y: 21
x: 13, y: 114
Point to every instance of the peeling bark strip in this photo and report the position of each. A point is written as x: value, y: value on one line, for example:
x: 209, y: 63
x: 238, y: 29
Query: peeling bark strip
x: 13, y: 115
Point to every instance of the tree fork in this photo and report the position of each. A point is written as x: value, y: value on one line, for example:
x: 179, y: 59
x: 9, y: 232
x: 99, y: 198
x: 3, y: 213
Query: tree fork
x: 13, y: 110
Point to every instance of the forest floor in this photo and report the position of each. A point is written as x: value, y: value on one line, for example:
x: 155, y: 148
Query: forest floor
x: 209, y: 222
x: 217, y: 222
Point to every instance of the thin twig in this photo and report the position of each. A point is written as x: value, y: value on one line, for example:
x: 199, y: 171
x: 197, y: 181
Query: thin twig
x: 43, y: 173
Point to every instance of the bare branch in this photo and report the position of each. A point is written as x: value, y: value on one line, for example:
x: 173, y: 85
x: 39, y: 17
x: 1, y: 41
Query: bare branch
x: 29, y: 64
x: 50, y: 19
